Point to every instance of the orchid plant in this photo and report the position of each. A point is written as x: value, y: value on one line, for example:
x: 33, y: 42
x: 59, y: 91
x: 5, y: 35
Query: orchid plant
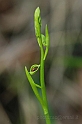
x: 43, y: 42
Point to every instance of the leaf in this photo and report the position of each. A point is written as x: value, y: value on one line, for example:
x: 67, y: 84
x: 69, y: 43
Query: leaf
x: 33, y: 85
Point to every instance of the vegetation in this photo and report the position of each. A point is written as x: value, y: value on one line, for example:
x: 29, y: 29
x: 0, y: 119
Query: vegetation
x: 43, y: 41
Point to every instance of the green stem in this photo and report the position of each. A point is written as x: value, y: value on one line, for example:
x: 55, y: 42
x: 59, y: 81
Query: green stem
x: 47, y: 117
x: 45, y: 108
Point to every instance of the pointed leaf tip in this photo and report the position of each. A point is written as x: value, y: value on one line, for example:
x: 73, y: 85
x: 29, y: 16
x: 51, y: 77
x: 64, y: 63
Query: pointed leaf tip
x: 25, y: 68
x: 37, y: 11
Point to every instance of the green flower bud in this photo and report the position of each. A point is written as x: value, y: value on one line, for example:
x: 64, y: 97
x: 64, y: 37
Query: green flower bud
x: 37, y: 23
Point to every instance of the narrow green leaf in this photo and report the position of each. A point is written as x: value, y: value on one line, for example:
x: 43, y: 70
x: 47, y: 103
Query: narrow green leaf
x: 33, y: 85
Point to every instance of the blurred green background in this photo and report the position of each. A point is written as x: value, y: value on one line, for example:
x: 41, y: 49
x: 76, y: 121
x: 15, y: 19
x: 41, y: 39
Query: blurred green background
x: 63, y: 66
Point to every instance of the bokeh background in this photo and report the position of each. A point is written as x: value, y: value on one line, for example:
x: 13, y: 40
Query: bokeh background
x: 63, y: 66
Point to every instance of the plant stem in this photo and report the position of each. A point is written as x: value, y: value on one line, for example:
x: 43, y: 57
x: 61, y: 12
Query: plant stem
x: 45, y: 108
x: 47, y: 117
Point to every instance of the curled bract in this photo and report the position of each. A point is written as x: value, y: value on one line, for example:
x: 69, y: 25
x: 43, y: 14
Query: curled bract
x: 34, y: 68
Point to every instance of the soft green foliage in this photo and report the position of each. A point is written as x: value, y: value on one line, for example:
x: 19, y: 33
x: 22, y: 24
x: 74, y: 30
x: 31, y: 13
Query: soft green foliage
x: 43, y: 41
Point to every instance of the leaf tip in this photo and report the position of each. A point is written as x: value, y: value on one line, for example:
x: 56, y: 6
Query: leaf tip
x: 37, y: 11
x: 25, y: 68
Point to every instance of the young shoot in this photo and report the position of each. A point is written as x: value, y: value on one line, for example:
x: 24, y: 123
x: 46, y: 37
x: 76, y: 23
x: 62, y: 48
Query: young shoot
x: 43, y: 41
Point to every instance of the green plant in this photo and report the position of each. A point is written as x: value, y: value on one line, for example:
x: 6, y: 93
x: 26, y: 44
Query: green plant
x: 43, y: 41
